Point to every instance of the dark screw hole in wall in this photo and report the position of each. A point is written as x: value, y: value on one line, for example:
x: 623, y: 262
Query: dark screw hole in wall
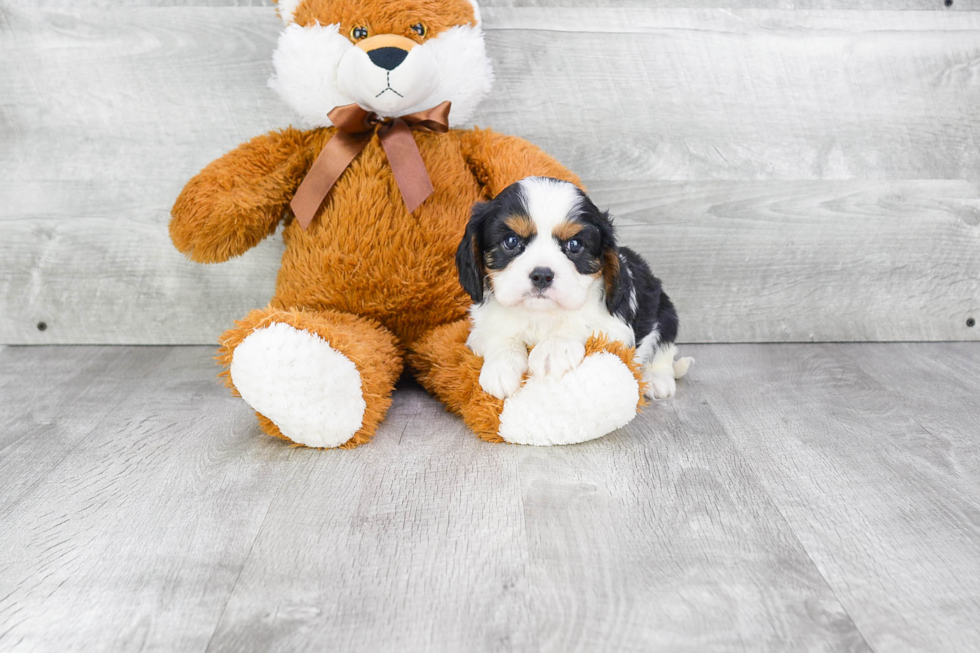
x: 948, y: 3
x: 42, y: 326
x: 970, y: 321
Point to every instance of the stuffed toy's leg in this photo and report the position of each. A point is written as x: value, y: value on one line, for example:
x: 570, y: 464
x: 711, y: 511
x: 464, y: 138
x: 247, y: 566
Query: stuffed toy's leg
x: 598, y: 397
x: 316, y: 378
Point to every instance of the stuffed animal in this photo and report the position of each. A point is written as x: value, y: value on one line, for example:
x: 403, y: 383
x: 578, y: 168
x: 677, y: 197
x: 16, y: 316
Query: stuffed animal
x: 373, y: 199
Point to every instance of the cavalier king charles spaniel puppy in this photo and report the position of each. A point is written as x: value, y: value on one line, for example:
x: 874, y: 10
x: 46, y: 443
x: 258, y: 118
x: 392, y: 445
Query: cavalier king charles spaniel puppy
x: 541, y: 264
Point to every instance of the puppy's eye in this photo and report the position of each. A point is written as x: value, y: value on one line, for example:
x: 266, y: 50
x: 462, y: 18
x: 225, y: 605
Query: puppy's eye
x: 511, y: 242
x: 574, y: 246
x: 359, y: 32
x: 420, y: 29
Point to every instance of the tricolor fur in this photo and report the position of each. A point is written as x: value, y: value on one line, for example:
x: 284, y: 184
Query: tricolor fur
x: 541, y: 263
x: 392, y: 57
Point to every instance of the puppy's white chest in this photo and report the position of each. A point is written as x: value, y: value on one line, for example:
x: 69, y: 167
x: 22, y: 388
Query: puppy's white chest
x: 568, y: 325
x: 494, y: 322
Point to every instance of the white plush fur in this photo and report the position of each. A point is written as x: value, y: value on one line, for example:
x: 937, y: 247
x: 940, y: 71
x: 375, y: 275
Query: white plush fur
x: 596, y: 398
x: 476, y: 11
x: 462, y: 71
x: 309, y: 390
x: 305, y: 62
x: 318, y: 69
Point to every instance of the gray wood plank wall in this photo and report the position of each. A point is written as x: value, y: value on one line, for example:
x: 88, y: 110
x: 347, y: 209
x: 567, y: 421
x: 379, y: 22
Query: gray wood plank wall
x: 795, y: 170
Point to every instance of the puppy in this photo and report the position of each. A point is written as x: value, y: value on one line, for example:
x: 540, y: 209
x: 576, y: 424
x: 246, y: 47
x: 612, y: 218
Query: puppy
x: 541, y: 264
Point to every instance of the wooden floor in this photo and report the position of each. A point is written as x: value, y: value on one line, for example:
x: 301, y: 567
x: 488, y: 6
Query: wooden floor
x: 790, y: 498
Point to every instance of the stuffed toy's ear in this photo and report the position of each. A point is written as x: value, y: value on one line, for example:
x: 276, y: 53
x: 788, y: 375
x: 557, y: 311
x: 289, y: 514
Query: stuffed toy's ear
x: 469, y: 256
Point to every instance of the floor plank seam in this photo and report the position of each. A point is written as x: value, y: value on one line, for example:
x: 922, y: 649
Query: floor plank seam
x: 848, y: 400
x: 527, y: 567
x: 241, y: 570
x: 790, y: 529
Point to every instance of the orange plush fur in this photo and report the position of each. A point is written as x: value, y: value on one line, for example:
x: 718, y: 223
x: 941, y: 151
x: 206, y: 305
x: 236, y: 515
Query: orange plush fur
x: 368, y: 278
x: 364, y: 254
x: 386, y: 18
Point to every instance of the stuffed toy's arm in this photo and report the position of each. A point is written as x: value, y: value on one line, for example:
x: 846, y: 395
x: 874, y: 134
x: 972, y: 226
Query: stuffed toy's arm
x: 498, y: 161
x: 238, y: 199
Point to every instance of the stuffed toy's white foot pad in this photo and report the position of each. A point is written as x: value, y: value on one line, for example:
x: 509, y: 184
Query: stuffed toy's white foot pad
x: 309, y: 390
x: 596, y: 398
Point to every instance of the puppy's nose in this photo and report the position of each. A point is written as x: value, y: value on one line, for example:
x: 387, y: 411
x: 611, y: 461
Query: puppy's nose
x: 387, y: 58
x: 541, y: 278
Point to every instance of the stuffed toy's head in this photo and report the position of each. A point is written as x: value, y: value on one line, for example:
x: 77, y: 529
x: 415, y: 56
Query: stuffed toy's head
x: 392, y: 57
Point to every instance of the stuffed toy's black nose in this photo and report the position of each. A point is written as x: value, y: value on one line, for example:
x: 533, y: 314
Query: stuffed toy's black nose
x: 542, y: 277
x: 387, y: 58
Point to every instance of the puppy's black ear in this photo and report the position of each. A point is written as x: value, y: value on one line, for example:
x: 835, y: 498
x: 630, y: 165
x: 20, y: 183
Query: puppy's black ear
x: 617, y: 280
x: 469, y: 254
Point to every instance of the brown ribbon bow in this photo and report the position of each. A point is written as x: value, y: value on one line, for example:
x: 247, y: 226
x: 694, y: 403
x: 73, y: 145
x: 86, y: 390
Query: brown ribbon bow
x: 355, y: 128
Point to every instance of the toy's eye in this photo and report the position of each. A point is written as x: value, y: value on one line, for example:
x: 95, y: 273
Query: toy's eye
x: 574, y: 246
x: 420, y: 29
x: 511, y: 242
x: 359, y: 32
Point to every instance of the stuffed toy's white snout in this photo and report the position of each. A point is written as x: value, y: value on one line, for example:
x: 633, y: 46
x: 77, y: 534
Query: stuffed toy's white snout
x: 387, y: 73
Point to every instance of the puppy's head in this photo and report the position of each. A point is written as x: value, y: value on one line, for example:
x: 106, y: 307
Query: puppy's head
x: 540, y: 244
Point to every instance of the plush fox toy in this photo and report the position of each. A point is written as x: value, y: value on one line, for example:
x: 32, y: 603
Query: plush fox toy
x: 373, y: 198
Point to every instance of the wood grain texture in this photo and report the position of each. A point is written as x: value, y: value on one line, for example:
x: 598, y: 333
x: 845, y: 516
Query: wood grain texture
x: 106, y: 109
x: 931, y: 5
x: 791, y: 497
x: 647, y: 93
x: 742, y: 260
x: 612, y: 546
x: 664, y: 524
x: 744, y: 94
x: 51, y: 403
x: 870, y: 452
x: 91, y: 274
x: 133, y: 537
x: 809, y: 261
x: 175, y: 525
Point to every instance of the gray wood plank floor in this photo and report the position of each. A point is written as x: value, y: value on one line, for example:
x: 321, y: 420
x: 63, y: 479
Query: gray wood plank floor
x: 790, y: 498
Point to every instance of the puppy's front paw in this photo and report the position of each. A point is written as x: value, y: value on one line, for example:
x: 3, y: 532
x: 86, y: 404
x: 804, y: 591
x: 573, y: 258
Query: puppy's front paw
x: 555, y: 357
x: 501, y: 377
